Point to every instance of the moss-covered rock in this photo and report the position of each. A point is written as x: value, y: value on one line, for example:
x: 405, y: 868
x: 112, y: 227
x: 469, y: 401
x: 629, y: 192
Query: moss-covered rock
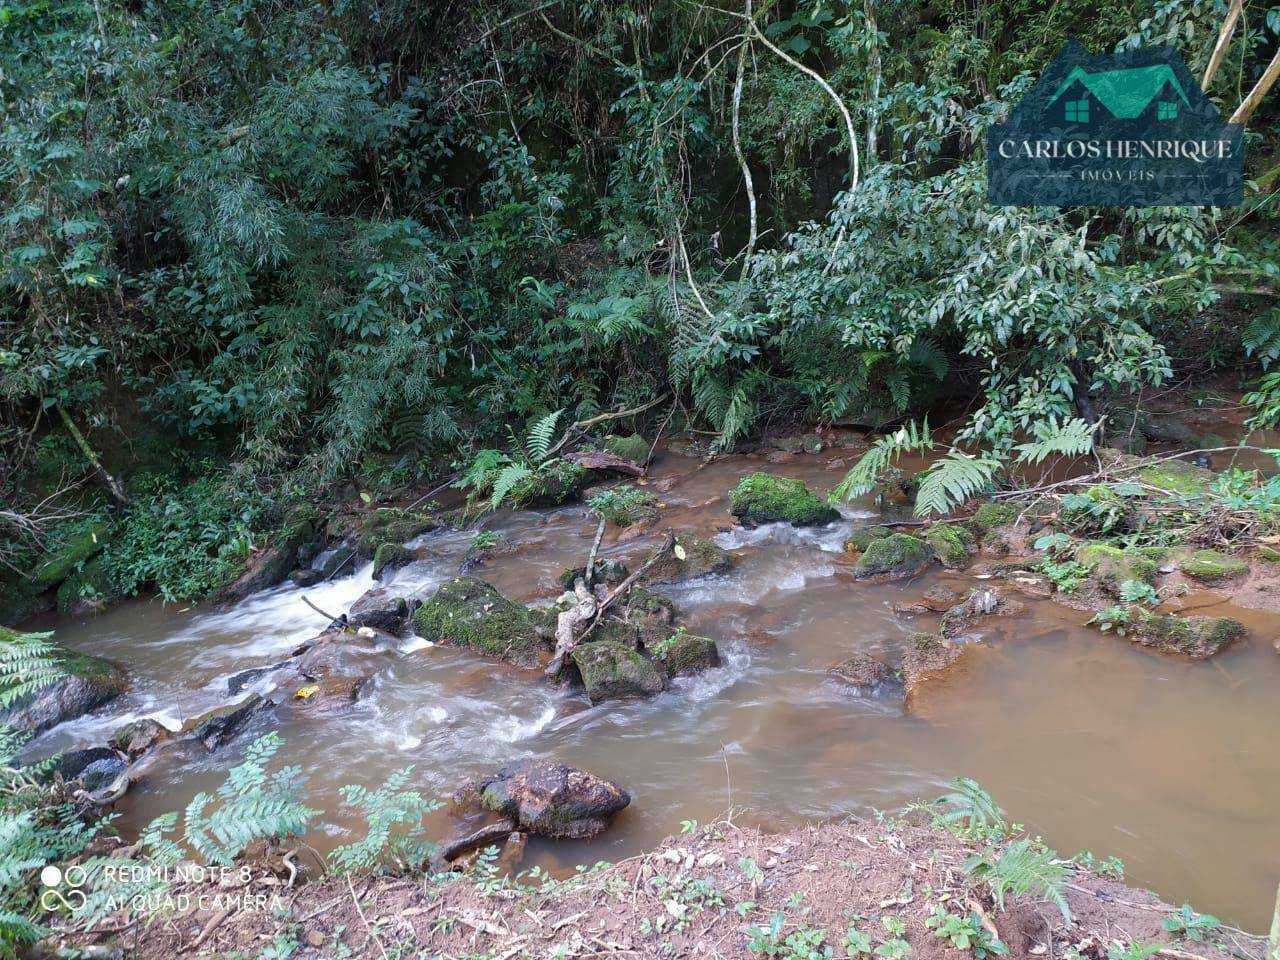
x: 1269, y: 554
x: 552, y: 800
x: 553, y: 483
x: 394, y: 525
x: 69, y: 555
x: 634, y: 447
x: 1209, y: 566
x: 684, y: 653
x: 948, y: 544
x: 390, y: 557
x: 92, y: 584
x: 607, y: 571
x: 860, y: 539
x: 86, y: 683
x: 611, y: 670
x: 764, y: 498
x: 992, y: 515
x: 800, y: 443
x: 652, y: 614
x: 1195, y: 637
x: 898, y: 555
x: 1112, y: 566
x: 692, y: 557
x: 469, y: 612
x: 862, y: 671
x: 1177, y: 476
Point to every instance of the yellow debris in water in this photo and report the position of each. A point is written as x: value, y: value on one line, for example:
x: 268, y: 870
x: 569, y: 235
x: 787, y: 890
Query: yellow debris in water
x: 306, y: 692
x: 680, y: 554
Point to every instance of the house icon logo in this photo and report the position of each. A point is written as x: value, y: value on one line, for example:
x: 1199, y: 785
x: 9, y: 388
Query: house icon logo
x: 1125, y: 129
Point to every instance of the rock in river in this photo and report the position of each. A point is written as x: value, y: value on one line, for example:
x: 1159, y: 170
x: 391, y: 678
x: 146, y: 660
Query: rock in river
x: 691, y: 558
x: 552, y: 799
x: 1195, y: 637
x: 898, y: 555
x: 861, y: 670
x: 469, y: 612
x: 764, y: 498
x: 684, y: 653
x: 87, y: 683
x: 381, y: 609
x: 611, y: 670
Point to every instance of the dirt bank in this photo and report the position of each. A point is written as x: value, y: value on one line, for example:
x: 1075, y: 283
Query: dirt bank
x: 699, y: 894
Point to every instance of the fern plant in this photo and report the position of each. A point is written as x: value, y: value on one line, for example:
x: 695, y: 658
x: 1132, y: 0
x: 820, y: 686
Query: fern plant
x: 28, y: 663
x: 252, y: 804
x: 384, y: 847
x: 495, y: 478
x: 1025, y: 866
x: 969, y: 810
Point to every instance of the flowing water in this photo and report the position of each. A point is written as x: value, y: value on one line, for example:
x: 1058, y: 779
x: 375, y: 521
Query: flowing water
x: 1172, y: 766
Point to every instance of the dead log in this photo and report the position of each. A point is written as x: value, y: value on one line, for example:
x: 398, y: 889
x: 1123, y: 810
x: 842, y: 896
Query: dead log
x: 483, y: 837
x: 607, y: 462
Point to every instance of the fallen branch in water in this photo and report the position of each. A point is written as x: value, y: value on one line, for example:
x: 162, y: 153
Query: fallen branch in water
x: 480, y: 838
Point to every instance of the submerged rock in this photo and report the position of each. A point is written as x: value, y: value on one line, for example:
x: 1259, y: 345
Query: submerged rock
x: 87, y: 683
x: 898, y: 555
x: 1112, y: 566
x: 937, y: 599
x: 1195, y: 637
x: 469, y: 612
x: 552, y: 799
x: 611, y: 670
x: 1209, y: 566
x: 984, y: 602
x: 861, y: 670
x: 928, y: 658
x: 684, y: 653
x: 691, y: 558
x: 764, y: 498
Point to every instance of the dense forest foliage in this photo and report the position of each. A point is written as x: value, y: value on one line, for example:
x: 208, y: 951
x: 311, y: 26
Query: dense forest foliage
x: 259, y: 248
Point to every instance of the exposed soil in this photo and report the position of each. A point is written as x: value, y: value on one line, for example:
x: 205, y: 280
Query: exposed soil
x: 817, y: 876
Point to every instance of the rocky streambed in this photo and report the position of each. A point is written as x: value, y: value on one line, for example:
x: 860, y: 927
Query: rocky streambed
x: 773, y: 655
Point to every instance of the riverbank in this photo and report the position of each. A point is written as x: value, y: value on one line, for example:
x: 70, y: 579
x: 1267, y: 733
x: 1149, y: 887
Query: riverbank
x: 712, y: 892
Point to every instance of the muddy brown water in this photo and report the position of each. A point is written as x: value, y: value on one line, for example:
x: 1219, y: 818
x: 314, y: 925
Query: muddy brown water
x: 1095, y: 744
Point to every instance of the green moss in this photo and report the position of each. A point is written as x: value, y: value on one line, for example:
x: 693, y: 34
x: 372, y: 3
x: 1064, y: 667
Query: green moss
x: 1210, y: 566
x: 1268, y: 554
x: 1196, y: 637
x: 859, y: 540
x: 92, y: 582
x: 764, y: 498
x: 610, y: 670
x: 700, y: 558
x: 897, y: 554
x: 72, y: 552
x: 1175, y: 476
x: 947, y: 544
x: 685, y: 653
x: 991, y: 515
x: 394, y: 525
x: 1112, y: 566
x: 634, y: 447
x: 391, y: 556
x: 469, y: 612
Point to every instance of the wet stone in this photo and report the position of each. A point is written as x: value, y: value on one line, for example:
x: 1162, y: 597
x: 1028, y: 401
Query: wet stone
x: 552, y: 799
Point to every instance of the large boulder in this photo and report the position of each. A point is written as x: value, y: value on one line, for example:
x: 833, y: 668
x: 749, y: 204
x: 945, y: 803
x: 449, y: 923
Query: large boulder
x: 950, y: 543
x: 898, y: 555
x: 469, y: 612
x: 764, y: 498
x: 296, y: 541
x: 684, y: 653
x: 611, y: 670
x: 551, y: 799
x: 85, y: 683
x: 692, y: 557
x: 1194, y: 637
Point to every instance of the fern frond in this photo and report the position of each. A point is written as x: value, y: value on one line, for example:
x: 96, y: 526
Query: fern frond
x: 507, y: 480
x: 953, y: 480
x: 538, y: 441
x: 1072, y: 438
x: 864, y: 476
x: 1023, y: 867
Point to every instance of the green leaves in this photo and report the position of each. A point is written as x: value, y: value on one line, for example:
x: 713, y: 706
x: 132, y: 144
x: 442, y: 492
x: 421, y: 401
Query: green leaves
x: 953, y: 480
